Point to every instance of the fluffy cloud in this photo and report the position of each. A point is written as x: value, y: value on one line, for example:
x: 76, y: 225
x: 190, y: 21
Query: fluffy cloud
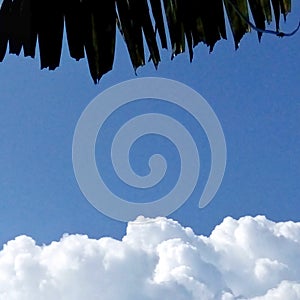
x: 249, y: 258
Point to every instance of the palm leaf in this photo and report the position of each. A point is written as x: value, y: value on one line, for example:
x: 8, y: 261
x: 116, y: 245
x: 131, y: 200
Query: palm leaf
x: 91, y: 27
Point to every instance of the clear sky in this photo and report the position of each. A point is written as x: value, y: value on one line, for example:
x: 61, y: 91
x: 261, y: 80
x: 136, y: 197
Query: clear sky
x: 254, y: 91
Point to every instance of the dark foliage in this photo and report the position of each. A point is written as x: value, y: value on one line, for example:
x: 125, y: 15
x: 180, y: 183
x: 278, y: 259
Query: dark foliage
x: 91, y: 27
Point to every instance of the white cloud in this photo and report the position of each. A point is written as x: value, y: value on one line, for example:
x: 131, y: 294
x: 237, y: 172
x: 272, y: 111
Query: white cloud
x: 249, y: 258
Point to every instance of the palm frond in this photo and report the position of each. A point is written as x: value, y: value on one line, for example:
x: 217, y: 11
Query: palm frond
x: 91, y: 27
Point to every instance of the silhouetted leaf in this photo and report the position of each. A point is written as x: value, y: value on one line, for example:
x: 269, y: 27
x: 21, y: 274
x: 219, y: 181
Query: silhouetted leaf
x: 132, y: 32
x: 91, y: 27
x: 49, y: 20
x: 4, y: 26
x: 75, y: 17
x: 159, y: 21
x: 238, y: 25
x: 99, y: 38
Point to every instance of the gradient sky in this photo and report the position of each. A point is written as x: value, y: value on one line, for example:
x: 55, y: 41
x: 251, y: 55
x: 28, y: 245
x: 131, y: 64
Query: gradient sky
x: 254, y: 91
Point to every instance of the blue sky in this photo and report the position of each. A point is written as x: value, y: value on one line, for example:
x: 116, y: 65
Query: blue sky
x: 254, y: 92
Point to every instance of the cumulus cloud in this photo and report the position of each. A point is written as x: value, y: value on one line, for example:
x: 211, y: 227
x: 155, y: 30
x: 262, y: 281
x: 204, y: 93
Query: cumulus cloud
x: 249, y: 258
